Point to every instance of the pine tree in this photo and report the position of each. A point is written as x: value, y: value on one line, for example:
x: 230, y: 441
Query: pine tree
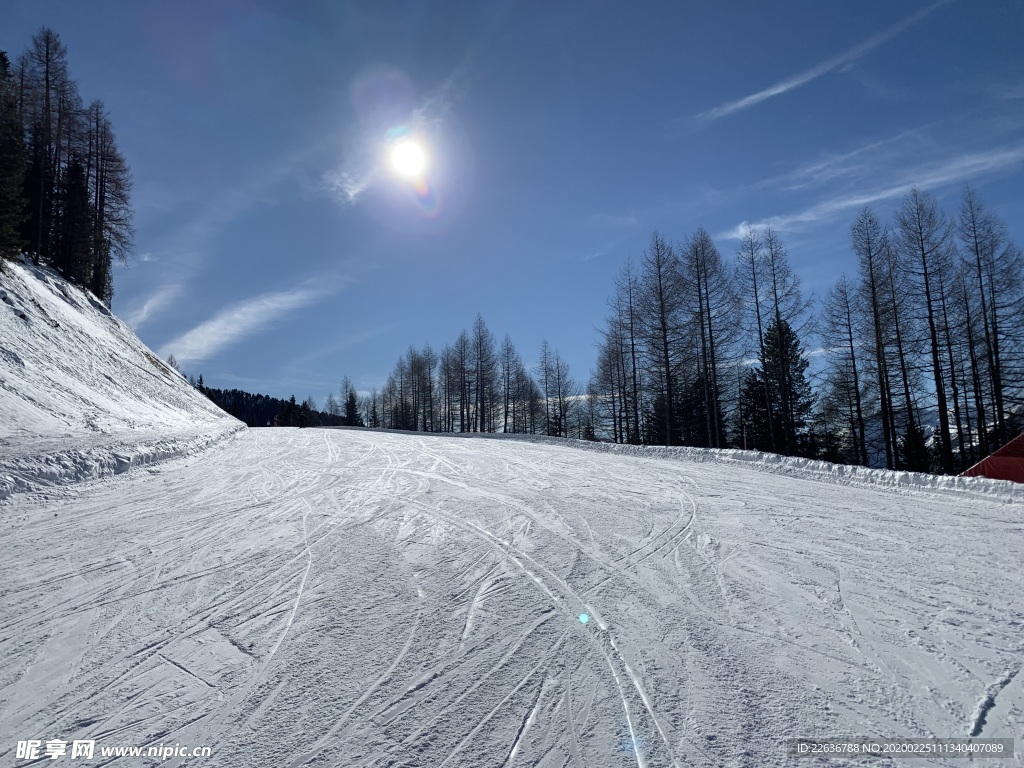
x: 709, y: 319
x: 74, y: 207
x: 839, y: 331
x: 914, y: 448
x: 693, y: 415
x: 785, y: 362
x: 352, y: 416
x: 993, y: 274
x: 485, y: 375
x: 878, y: 318
x: 782, y: 420
x: 374, y: 411
x: 659, y: 307
x: 924, y: 239
x: 331, y: 405
x: 109, y: 187
x: 352, y: 411
x: 756, y: 427
x: 72, y: 252
x: 752, y: 280
x: 49, y: 100
x: 12, y: 165
x: 788, y: 307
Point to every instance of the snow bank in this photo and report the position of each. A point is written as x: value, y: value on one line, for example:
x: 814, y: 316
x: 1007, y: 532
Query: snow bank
x: 794, y: 466
x: 19, y: 474
x: 81, y: 396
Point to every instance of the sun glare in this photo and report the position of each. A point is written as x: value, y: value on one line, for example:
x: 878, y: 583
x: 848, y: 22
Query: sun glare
x: 408, y: 159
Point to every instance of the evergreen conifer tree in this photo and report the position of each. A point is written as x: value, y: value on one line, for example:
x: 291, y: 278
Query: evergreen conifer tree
x: 783, y: 360
x: 12, y: 165
x: 755, y: 422
x: 916, y: 455
x: 352, y: 417
x: 72, y: 247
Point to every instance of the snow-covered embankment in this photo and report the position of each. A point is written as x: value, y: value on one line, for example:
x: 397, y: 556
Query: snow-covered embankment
x: 80, y: 395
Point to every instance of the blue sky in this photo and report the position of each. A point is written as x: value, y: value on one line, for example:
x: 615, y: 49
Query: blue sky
x: 277, y: 251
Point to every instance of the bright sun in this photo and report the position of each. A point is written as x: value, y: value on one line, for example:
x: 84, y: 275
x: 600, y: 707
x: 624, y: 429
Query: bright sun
x: 408, y: 158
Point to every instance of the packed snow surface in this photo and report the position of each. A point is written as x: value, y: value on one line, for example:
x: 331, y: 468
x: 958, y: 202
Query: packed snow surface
x: 80, y: 395
x: 355, y: 598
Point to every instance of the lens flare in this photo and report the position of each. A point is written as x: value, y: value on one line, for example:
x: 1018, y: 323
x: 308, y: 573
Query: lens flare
x: 427, y: 200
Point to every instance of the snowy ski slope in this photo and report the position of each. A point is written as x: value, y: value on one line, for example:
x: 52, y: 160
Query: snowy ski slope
x: 80, y: 395
x: 354, y: 598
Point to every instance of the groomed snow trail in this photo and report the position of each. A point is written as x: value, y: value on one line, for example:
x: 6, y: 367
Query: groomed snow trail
x: 352, y: 598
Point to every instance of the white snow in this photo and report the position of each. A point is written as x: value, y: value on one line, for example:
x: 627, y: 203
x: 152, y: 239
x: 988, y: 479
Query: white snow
x: 356, y: 598
x: 80, y: 395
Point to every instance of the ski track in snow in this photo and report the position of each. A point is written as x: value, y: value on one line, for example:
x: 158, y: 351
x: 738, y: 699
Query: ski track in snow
x: 354, y: 598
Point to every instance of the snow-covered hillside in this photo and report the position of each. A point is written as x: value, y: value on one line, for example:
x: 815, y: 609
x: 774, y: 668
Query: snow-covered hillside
x: 356, y: 598
x: 80, y: 395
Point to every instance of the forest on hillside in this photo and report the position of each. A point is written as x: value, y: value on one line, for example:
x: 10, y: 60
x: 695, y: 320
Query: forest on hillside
x: 64, y: 186
x: 257, y: 410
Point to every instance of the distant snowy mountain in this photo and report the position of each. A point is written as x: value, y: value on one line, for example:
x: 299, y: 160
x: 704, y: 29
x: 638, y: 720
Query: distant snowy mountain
x: 81, y: 396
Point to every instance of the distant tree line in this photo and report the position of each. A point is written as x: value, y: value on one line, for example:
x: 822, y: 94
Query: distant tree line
x: 257, y: 410
x: 64, y: 187
x: 922, y: 352
x: 478, y: 385
x: 472, y: 385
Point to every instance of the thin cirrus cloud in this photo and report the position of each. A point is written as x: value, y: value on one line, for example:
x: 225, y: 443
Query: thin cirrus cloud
x: 802, y: 78
x: 182, y: 255
x: 957, y: 169
x: 153, y: 305
x: 241, y: 320
x: 302, y: 362
x: 847, y: 165
x: 347, y: 184
x: 1008, y: 92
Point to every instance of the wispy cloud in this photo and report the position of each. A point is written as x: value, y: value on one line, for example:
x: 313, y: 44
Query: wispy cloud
x: 954, y: 170
x: 175, y: 259
x: 842, y: 60
x: 842, y: 166
x: 244, y: 319
x: 346, y: 342
x: 159, y: 300
x: 225, y: 205
x: 439, y: 104
x: 1009, y: 91
x: 593, y: 255
x: 347, y: 184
